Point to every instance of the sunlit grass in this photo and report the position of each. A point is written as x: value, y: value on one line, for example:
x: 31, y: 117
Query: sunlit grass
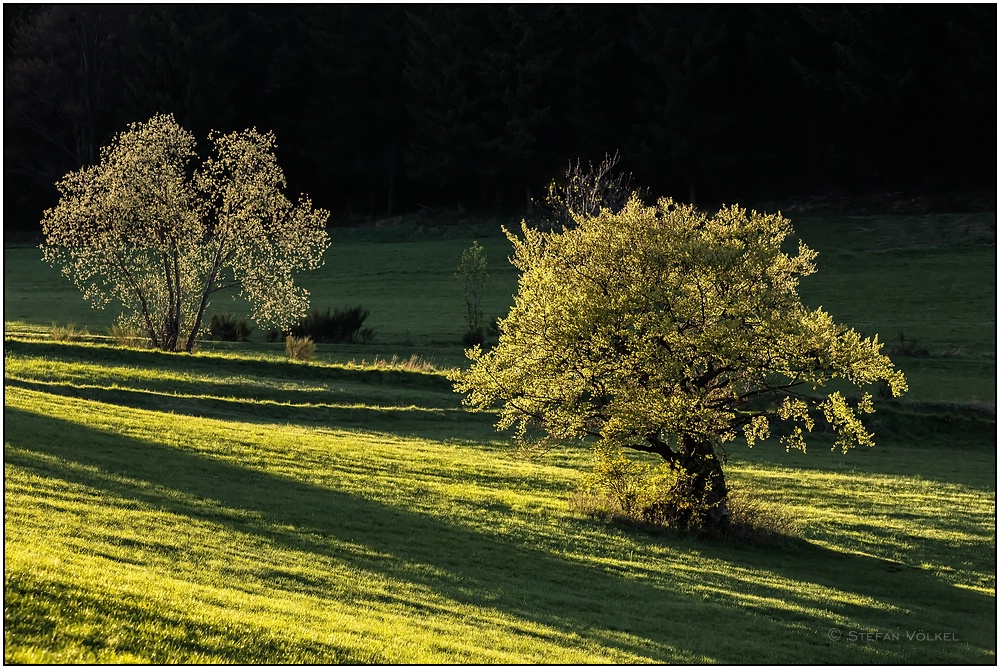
x: 240, y: 508
x: 236, y: 507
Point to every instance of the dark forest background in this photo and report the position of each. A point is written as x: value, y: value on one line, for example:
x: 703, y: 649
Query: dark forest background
x: 386, y: 109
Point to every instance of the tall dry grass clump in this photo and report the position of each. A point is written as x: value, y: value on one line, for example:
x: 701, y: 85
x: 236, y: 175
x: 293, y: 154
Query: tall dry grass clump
x: 299, y: 348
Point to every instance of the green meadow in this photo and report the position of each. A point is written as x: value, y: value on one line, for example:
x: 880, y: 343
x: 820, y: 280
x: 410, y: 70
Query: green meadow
x: 236, y: 507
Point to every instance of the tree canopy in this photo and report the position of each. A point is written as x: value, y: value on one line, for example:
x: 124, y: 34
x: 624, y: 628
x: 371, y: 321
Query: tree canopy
x: 155, y: 230
x: 667, y: 330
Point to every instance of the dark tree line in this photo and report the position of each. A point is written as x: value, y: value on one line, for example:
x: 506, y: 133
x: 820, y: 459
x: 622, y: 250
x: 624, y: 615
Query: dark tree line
x: 380, y: 109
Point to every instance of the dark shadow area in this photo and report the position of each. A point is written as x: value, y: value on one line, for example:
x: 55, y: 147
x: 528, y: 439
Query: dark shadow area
x: 226, y: 366
x: 649, y: 614
x: 265, y: 388
x: 306, y: 408
x: 892, y: 456
x: 34, y: 610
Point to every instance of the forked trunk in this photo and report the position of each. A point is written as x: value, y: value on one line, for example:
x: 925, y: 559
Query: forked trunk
x: 170, y: 334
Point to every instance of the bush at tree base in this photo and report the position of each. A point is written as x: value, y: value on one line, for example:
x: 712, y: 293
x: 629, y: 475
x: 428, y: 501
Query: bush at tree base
x: 622, y: 489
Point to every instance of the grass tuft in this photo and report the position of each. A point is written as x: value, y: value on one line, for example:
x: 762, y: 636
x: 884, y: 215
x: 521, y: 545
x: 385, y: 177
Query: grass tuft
x: 126, y: 336
x: 412, y: 364
x: 67, y: 332
x: 299, y: 348
x: 756, y: 521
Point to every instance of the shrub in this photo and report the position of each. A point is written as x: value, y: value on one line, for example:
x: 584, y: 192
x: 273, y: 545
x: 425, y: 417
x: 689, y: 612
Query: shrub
x: 67, y: 333
x: 228, y: 327
x: 472, y: 273
x: 339, y: 326
x: 474, y: 337
x: 672, y: 497
x: 908, y: 348
x: 299, y: 348
x: 614, y: 488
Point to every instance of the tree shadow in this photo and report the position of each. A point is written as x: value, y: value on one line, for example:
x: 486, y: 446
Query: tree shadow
x: 224, y: 365
x: 294, y: 406
x: 647, y: 613
x: 388, y: 401
x: 35, y: 609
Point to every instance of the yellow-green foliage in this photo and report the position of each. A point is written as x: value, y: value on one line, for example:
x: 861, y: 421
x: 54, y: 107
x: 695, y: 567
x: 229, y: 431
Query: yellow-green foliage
x: 661, y: 325
x: 624, y: 487
x: 147, y: 228
x: 617, y: 478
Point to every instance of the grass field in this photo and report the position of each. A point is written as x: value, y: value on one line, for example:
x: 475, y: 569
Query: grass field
x: 233, y: 506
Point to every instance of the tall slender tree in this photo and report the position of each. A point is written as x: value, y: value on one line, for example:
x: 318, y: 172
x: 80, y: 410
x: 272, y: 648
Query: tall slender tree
x: 356, y: 110
x: 682, y: 109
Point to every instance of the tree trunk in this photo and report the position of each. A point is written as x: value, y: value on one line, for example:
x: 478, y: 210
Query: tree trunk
x: 708, y: 481
x: 698, y: 498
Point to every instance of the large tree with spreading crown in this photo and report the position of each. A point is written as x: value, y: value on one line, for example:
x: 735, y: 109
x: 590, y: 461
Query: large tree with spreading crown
x: 670, y: 331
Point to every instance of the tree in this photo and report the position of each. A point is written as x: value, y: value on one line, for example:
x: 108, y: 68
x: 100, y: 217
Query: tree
x: 445, y: 99
x: 521, y: 73
x: 185, y: 60
x: 481, y: 84
x: 683, y: 81
x: 665, y: 330
x: 148, y: 228
x: 355, y: 109
x: 62, y: 94
x: 587, y: 193
x: 62, y: 80
x: 472, y: 273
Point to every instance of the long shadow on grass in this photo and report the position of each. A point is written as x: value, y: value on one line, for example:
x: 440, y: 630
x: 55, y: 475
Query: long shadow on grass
x: 222, y: 365
x: 256, y: 389
x: 653, y: 615
x: 209, y: 400
x: 389, y: 401
x: 307, y: 408
x: 35, y: 610
x: 428, y: 414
